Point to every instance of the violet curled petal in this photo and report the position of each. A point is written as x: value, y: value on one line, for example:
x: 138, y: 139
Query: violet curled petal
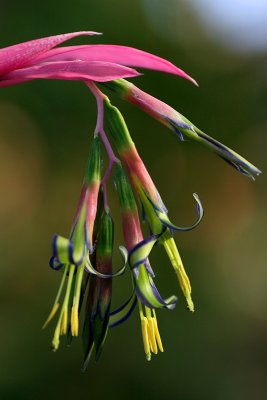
x: 115, y: 54
x: 163, y: 217
x: 169, y: 303
x: 72, y: 70
x: 147, y: 292
x: 121, y: 314
x: 149, y: 268
x: 141, y: 251
x: 60, y: 249
x: 150, y: 296
x: 90, y: 269
x: 63, y: 252
x: 21, y: 54
x: 73, y: 257
x: 55, y: 264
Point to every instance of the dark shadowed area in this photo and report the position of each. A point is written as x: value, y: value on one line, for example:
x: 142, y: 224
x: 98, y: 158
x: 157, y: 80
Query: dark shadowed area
x: 217, y: 353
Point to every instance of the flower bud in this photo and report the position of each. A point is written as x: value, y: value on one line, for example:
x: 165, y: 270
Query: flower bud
x: 179, y: 124
x: 99, y: 294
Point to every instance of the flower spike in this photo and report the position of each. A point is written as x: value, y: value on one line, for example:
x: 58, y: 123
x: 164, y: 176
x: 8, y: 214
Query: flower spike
x: 85, y: 258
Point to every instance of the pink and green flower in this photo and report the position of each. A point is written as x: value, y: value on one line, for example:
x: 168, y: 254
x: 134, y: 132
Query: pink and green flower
x: 85, y: 258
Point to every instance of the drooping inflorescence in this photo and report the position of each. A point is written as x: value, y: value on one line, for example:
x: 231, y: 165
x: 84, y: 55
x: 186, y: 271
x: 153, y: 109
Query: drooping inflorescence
x: 83, y: 304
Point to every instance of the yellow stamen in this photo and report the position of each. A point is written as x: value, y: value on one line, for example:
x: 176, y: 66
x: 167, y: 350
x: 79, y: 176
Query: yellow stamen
x: 76, y: 301
x: 144, y: 330
x: 156, y: 330
x: 51, y: 315
x: 74, y: 321
x: 55, y: 341
x: 144, y: 326
x: 64, y: 323
x: 152, y: 338
x: 177, y: 264
x: 56, y: 302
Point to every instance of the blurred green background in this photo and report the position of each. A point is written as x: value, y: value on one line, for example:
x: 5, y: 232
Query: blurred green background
x: 219, y: 352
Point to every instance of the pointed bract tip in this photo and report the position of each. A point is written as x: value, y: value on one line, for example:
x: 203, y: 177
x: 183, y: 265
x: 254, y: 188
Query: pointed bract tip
x: 84, y: 33
x: 97, y: 33
x: 195, y: 82
x: 189, y: 78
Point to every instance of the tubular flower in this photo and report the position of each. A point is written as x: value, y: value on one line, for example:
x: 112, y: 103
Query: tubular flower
x: 142, y: 274
x: 85, y: 258
x: 154, y: 210
x: 180, y: 125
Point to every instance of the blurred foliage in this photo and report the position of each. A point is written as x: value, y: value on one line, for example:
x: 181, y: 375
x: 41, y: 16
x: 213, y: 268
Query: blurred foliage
x: 219, y: 353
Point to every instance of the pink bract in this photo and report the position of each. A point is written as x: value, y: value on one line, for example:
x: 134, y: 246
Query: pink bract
x: 116, y: 54
x: 97, y: 71
x: 19, y: 55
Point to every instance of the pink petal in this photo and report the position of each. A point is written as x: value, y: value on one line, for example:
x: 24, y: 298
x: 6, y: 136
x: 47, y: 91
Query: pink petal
x: 70, y: 70
x: 21, y: 54
x: 115, y: 54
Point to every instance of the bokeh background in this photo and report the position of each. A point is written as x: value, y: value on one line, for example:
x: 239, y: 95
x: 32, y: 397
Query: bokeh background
x: 218, y: 353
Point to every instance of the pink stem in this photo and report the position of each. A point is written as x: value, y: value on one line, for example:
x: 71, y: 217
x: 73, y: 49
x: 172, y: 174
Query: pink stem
x: 99, y: 129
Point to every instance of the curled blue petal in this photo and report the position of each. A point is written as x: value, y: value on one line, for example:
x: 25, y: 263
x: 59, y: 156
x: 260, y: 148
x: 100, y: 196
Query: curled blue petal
x: 65, y: 252
x: 121, y: 314
x: 157, y: 300
x: 90, y: 269
x: 55, y: 264
x: 139, y: 254
x: 163, y: 217
x: 148, y: 293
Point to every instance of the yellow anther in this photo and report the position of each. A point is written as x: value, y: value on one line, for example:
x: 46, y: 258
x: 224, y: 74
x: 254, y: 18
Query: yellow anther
x: 64, y: 323
x: 51, y: 315
x: 74, y: 321
x: 157, y: 334
x: 177, y: 264
x: 55, y: 343
x: 144, y: 327
x: 152, y: 338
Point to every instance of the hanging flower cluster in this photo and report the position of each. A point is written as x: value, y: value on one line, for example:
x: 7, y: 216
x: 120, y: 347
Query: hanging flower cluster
x: 85, y: 258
